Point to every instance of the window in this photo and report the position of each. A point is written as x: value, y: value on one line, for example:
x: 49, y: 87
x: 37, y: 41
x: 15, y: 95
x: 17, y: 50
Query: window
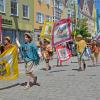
x: 68, y: 10
x: 25, y: 11
x: 39, y: 18
x: 47, y: 2
x: 40, y: 1
x: 14, y: 8
x: 2, y: 6
x: 48, y: 18
x: 60, y: 6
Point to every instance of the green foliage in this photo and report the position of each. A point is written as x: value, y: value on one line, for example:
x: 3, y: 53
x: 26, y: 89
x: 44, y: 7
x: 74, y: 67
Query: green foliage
x: 82, y: 29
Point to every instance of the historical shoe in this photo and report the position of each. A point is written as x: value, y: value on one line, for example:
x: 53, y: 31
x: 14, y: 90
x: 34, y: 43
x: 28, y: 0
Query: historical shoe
x: 26, y: 87
x: 49, y: 68
x: 80, y: 69
x: 84, y: 65
x: 35, y: 80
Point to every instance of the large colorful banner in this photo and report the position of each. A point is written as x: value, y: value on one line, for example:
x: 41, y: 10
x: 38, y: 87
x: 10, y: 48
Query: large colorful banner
x: 47, y: 31
x: 9, y: 64
x: 63, y: 53
x: 61, y: 32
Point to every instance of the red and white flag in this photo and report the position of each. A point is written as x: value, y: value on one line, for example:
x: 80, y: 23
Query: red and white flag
x: 63, y: 53
x: 61, y: 32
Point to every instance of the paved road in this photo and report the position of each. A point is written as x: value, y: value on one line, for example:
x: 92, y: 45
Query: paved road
x: 61, y: 83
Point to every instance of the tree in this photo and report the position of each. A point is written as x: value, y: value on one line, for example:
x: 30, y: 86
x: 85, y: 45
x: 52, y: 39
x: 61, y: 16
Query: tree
x: 81, y: 28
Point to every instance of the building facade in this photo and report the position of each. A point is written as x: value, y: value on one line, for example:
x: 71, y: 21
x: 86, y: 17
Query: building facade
x: 17, y: 18
x: 71, y: 11
x: 97, y: 5
x: 58, y: 10
x: 70, y: 8
x: 43, y: 11
x: 89, y: 14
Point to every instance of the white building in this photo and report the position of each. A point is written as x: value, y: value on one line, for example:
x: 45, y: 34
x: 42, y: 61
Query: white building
x: 57, y: 10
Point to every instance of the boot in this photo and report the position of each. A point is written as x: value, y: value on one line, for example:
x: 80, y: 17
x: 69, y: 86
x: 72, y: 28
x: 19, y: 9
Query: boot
x: 80, y: 69
x: 35, y: 80
x: 49, y: 68
x: 84, y: 65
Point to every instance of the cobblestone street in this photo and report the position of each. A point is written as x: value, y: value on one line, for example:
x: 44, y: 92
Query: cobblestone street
x: 61, y: 83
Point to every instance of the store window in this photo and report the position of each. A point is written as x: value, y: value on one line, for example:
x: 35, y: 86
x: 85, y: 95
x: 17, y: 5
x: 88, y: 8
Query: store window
x: 14, y: 7
x: 2, y: 6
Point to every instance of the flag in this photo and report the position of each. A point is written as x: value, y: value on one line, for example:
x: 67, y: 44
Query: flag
x: 9, y: 64
x: 47, y: 31
x: 90, y: 6
x: 63, y: 53
x: 61, y: 32
x: 88, y: 52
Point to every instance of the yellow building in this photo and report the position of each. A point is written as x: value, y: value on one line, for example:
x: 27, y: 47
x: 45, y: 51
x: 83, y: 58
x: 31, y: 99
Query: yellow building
x: 43, y: 11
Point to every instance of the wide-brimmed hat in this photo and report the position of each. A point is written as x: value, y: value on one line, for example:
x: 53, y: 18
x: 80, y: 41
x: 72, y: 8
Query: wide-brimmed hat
x: 8, y: 38
x: 79, y: 36
x: 29, y: 35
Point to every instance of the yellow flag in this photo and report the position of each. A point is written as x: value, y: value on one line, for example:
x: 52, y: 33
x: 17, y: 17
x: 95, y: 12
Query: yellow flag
x: 46, y: 32
x: 9, y: 64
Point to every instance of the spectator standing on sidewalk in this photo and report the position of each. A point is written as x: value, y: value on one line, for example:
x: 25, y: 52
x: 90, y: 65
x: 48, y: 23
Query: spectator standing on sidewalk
x: 30, y: 56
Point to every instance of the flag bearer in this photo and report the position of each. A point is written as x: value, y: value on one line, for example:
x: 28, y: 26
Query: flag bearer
x: 30, y: 56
